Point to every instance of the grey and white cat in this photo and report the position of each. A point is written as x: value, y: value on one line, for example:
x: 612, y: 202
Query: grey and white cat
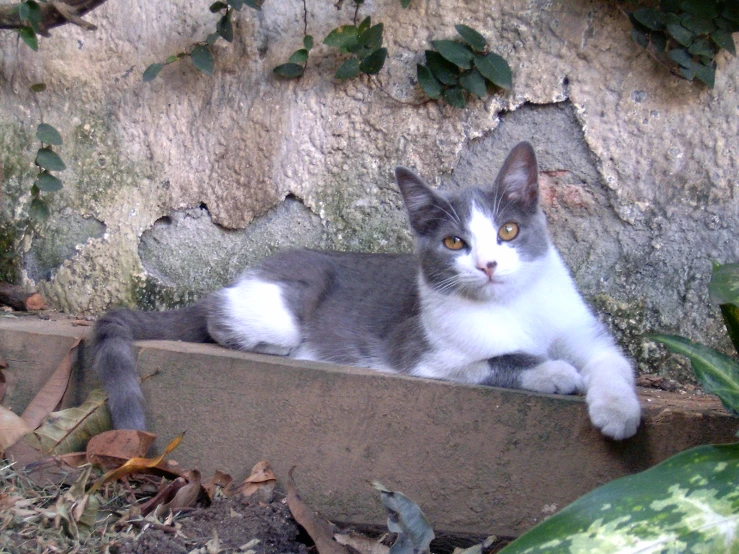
x: 485, y: 299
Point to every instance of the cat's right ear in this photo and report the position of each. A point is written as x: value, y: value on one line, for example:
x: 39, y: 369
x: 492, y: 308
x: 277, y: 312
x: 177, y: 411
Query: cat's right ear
x: 420, y: 200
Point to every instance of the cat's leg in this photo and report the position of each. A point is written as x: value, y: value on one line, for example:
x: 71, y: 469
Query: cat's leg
x: 252, y: 315
x: 534, y: 373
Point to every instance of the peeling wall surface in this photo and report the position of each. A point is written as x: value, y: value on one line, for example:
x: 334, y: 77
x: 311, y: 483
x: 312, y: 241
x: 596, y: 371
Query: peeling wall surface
x: 174, y: 186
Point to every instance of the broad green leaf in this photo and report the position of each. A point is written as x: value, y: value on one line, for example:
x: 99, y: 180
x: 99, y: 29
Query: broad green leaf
x: 308, y: 42
x: 687, y: 73
x: 202, y: 59
x: 474, y: 82
x: 640, y: 38
x: 365, y: 24
x: 407, y: 520
x: 211, y: 39
x: 48, y: 183
x: 688, y: 503
x: 289, y: 70
x: 495, y: 69
x: 724, y: 285
x: 218, y: 6
x: 369, y: 41
x: 24, y: 11
x: 48, y: 135
x: 170, y: 59
x: 717, y: 373
x: 152, y: 71
x: 256, y: 4
x: 681, y: 56
x: 429, y: 84
x: 405, y: 3
x: 31, y: 12
x: 650, y: 18
x: 444, y: 71
x: 48, y: 159
x: 731, y: 320
x: 38, y: 87
x: 473, y: 38
x: 224, y: 28
x: 372, y: 64
x: 299, y: 56
x: 705, y: 73
x: 702, y: 8
x: 723, y: 39
x: 348, y: 70
x: 38, y: 210
x: 702, y: 47
x: 35, y: 191
x: 236, y: 4
x: 459, y: 54
x: 699, y: 25
x: 342, y: 37
x: 680, y: 34
x: 28, y: 36
x: 454, y: 96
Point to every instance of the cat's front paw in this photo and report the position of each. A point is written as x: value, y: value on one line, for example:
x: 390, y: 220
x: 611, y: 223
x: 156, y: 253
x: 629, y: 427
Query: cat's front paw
x: 552, y: 376
x: 614, y: 410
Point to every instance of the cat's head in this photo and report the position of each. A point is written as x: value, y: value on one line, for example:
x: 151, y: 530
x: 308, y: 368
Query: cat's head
x: 482, y: 243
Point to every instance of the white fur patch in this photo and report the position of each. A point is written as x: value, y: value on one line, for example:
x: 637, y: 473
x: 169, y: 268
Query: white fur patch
x: 485, y: 247
x: 553, y: 376
x: 258, y: 318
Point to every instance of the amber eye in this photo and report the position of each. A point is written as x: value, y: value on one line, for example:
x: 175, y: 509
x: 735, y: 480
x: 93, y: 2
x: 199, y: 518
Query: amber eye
x: 454, y: 243
x: 508, y: 231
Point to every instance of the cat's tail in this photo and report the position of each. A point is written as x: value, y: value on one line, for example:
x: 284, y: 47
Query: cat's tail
x: 113, y: 354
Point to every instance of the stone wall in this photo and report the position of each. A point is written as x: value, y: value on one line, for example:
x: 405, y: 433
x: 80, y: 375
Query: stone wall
x: 174, y: 186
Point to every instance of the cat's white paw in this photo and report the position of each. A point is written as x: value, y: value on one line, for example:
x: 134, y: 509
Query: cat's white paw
x: 614, y: 409
x: 553, y: 376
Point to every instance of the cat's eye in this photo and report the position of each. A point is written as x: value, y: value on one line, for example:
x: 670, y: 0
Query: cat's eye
x: 508, y: 231
x: 454, y: 243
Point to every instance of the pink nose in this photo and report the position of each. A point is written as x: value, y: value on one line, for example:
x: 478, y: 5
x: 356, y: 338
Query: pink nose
x: 488, y: 268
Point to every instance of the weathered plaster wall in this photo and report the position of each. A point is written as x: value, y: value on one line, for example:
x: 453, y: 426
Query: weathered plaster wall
x: 174, y: 185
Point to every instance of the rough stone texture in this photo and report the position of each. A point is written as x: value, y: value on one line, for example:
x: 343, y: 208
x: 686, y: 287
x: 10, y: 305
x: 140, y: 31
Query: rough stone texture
x: 476, y: 459
x: 640, y: 167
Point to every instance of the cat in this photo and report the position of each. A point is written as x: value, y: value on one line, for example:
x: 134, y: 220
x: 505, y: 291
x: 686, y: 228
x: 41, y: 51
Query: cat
x: 485, y: 299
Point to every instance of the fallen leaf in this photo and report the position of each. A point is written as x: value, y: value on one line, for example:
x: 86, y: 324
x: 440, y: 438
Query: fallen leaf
x: 320, y: 530
x: 362, y: 544
x: 261, y: 481
x: 111, y: 449
x: 12, y: 428
x: 164, y: 495
x: 219, y: 480
x: 185, y: 497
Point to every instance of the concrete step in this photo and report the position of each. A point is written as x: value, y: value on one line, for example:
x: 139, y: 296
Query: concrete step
x: 476, y: 459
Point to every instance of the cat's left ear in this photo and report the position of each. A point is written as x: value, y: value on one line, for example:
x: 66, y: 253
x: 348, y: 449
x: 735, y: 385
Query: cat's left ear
x: 420, y: 200
x: 518, y: 179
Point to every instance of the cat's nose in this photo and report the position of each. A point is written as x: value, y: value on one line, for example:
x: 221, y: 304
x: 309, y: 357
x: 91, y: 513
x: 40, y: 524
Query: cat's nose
x: 488, y: 268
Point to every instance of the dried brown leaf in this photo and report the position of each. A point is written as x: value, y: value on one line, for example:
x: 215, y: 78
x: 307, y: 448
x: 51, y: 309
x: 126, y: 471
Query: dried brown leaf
x: 362, y: 544
x: 112, y: 449
x: 219, y: 479
x: 185, y: 497
x: 12, y: 428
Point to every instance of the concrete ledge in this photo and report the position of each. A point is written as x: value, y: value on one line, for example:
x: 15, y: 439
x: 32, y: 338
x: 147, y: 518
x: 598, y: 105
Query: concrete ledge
x: 477, y: 459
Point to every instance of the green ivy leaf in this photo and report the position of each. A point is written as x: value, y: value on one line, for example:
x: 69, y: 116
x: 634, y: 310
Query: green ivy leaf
x: 372, y: 64
x: 48, y: 183
x: 48, y: 159
x: 308, y: 42
x: 454, y: 96
x: 474, y: 82
x: 687, y: 73
x: 701, y: 8
x: 680, y: 56
x: 218, y: 6
x: 224, y: 28
x: 680, y: 34
x: 473, y: 38
x: 495, y: 69
x: 723, y: 39
x: 28, y: 36
x: 365, y: 24
x: 38, y: 87
x: 211, y: 39
x: 289, y: 70
x: 651, y: 19
x: 170, y: 59
x: 24, y: 11
x: 429, y: 84
x: 237, y: 4
x: 299, y: 56
x: 35, y: 191
x: 405, y: 3
x: 458, y: 54
x: 705, y: 73
x: 48, y: 135
x: 202, y: 59
x: 152, y: 71
x: 343, y: 37
x: 444, y: 71
x: 702, y: 47
x: 256, y: 4
x: 699, y: 25
x: 640, y: 38
x: 349, y: 69
x: 369, y: 41
x: 38, y: 210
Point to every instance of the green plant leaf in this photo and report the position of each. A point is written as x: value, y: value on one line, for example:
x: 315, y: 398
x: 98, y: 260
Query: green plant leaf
x: 299, y: 56
x: 407, y: 520
x: 48, y: 135
x: 688, y: 503
x: 48, y: 183
x: 702, y: 47
x: 211, y: 39
x: 716, y: 372
x: 705, y: 73
x: 454, y: 52
x: 202, y: 59
x: 256, y: 4
x: 429, y: 84
x: 681, y: 56
x: 680, y: 34
x: 701, y: 8
x: 650, y: 18
x: 289, y: 70
x: 170, y: 59
x: 28, y: 36
x: 659, y: 39
x: 476, y: 41
x: 474, y: 82
x: 24, y: 11
x: 369, y: 41
x: 640, y: 38
x: 38, y: 87
x: 152, y: 71
x: 38, y: 210
x: 48, y: 159
x: 444, y: 71
x: 365, y: 24
x: 495, y: 69
x: 343, y: 37
x: 308, y: 42
x: 687, y: 73
x: 724, y: 285
x: 217, y: 6
x: 349, y: 69
x: 455, y: 97
x: 372, y: 64
x: 224, y: 28
x: 731, y: 320
x: 237, y: 4
x: 405, y: 3
x: 723, y: 39
x: 699, y: 25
